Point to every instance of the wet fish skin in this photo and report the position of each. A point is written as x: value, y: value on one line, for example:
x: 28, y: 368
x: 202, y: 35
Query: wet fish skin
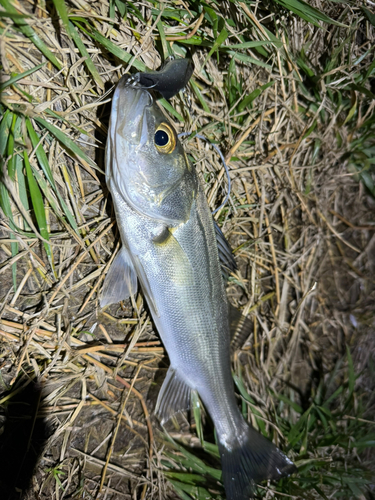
x: 169, y: 243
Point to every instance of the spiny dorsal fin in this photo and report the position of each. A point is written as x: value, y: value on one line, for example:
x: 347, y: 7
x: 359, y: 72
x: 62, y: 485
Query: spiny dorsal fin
x: 121, y: 280
x: 228, y: 264
x: 174, y: 396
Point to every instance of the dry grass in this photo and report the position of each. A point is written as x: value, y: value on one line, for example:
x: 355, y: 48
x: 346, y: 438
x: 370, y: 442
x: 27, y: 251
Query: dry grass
x: 301, y: 225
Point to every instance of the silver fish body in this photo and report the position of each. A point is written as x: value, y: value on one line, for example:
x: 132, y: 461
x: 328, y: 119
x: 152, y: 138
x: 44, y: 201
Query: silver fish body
x: 169, y: 245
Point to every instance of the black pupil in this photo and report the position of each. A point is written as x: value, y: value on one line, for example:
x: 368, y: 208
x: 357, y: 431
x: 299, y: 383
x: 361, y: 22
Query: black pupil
x: 161, y: 138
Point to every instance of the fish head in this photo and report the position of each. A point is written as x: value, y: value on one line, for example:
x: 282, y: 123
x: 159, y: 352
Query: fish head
x: 145, y: 161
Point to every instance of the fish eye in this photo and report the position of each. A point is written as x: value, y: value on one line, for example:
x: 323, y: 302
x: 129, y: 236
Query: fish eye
x: 165, y: 138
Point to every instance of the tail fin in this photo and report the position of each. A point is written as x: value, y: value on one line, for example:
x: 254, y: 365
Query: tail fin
x: 251, y: 459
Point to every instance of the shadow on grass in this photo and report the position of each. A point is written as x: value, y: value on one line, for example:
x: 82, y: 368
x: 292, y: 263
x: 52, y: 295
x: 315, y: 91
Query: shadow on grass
x: 22, y: 440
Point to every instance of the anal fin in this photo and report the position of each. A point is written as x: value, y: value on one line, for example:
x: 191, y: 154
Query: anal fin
x: 174, y: 396
x: 121, y: 280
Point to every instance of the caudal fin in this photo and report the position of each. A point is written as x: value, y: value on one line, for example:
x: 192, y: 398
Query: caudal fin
x: 248, y: 461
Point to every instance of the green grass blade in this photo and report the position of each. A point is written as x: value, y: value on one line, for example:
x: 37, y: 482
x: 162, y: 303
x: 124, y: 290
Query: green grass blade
x: 218, y: 42
x: 38, y: 207
x: 121, y: 7
x: 10, y: 146
x: 15, y: 79
x: 198, y: 492
x: 370, y: 16
x: 199, y: 95
x: 179, y: 491
x: 113, y: 49
x: 67, y: 212
x: 369, y: 72
x: 176, y: 14
x: 166, y: 46
x: 297, y: 430
x: 185, y: 477
x: 73, y: 34
x: 171, y: 109
x: 197, y: 466
x: 40, y: 153
x: 241, y: 387
x: 43, y: 162
x: 125, y: 6
x: 22, y: 189
x: 296, y: 407
x: 366, y: 442
x: 247, y: 59
x: 30, y: 33
x: 112, y: 10
x: 308, y: 13
x: 196, y: 40
x: 12, y: 15
x: 36, y: 199
x: 212, y: 18
x: 64, y: 120
x: 252, y: 96
x: 213, y: 450
x: 192, y: 461
x: 62, y: 12
x: 47, y: 192
x: 7, y: 209
x: 334, y: 395
x: 6, y: 145
x: 321, y: 492
x: 361, y: 89
x: 69, y: 144
x: 254, y: 44
x: 4, y: 130
x: 88, y: 61
x: 197, y: 412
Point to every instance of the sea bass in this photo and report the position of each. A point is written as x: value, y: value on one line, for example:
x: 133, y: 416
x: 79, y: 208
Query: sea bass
x: 169, y: 245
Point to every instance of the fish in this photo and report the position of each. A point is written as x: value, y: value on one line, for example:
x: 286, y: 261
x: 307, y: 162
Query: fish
x: 170, y: 247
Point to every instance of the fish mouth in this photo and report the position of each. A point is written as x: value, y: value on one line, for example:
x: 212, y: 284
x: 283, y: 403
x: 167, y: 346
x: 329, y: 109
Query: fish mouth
x: 129, y: 107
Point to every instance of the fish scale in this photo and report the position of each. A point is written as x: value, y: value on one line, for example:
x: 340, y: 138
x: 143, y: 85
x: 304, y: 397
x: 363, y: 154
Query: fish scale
x: 169, y: 244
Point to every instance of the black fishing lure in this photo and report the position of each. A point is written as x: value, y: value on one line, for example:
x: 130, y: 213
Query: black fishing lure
x: 173, y: 76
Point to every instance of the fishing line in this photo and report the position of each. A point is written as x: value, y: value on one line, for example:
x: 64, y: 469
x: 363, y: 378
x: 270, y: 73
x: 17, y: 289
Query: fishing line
x: 184, y: 134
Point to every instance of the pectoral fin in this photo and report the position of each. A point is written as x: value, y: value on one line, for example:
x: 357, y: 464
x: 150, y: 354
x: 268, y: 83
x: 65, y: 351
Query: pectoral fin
x: 121, y: 280
x: 174, y: 396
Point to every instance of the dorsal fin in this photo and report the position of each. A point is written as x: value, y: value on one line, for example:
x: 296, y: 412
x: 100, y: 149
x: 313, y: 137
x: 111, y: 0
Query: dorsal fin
x: 228, y: 264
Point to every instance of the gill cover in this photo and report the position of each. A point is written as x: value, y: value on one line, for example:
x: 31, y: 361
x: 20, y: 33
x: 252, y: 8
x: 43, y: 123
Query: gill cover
x: 145, y: 161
